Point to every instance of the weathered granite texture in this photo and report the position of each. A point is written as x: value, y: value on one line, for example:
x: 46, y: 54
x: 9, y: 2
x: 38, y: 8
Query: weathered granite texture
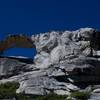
x: 65, y: 61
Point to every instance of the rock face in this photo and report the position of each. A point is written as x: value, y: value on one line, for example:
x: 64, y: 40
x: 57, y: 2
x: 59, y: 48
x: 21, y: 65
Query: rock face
x: 65, y: 61
x: 55, y: 47
x: 10, y: 66
x: 15, y: 41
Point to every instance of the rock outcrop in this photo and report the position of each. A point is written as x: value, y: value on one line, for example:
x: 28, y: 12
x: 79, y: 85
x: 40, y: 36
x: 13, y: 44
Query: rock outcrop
x: 15, y: 41
x: 65, y: 62
x: 10, y: 66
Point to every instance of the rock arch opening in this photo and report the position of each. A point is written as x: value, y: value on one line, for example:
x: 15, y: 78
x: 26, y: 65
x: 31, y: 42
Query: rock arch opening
x: 18, y: 43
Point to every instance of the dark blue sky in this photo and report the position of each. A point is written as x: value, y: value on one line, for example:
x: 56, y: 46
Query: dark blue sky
x: 34, y: 16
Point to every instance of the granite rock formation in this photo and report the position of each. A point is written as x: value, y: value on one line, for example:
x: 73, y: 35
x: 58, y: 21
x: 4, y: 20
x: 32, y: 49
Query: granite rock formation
x: 65, y: 61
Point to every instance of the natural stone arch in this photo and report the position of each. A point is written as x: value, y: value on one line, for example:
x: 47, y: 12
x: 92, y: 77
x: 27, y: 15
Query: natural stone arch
x: 19, y: 41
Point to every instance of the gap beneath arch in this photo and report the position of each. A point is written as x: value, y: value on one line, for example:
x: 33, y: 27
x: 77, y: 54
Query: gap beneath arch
x: 21, y: 52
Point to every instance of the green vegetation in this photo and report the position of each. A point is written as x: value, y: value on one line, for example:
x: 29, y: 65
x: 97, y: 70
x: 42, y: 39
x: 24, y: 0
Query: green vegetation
x: 8, y: 91
x: 46, y: 97
x: 80, y: 95
x: 52, y: 97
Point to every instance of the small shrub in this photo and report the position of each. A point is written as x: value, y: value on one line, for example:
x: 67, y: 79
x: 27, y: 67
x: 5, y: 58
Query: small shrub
x: 8, y: 90
x: 52, y: 97
x: 25, y: 97
x: 81, y: 95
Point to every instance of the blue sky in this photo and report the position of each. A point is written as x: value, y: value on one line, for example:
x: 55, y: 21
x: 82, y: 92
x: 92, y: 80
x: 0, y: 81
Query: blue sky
x: 35, y: 16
